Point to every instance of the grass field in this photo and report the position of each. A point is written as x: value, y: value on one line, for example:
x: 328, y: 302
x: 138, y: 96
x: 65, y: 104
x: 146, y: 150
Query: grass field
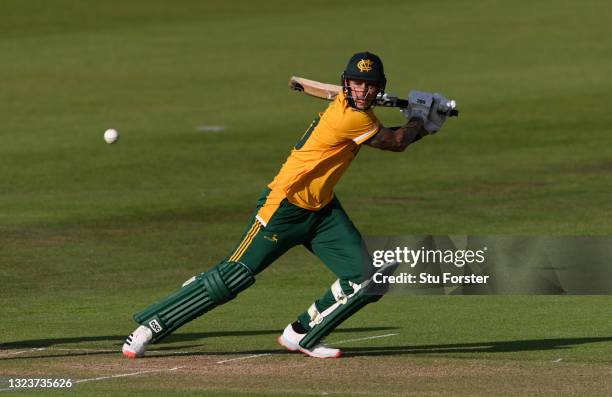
x: 91, y: 233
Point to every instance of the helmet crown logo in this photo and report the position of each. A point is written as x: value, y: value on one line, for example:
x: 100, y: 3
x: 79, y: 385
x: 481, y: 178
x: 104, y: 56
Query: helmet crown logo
x: 365, y: 65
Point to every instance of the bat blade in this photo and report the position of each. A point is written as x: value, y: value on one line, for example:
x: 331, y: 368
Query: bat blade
x: 314, y: 88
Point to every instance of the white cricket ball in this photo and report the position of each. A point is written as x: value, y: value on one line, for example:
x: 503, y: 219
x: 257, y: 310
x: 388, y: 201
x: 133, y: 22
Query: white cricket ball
x: 111, y: 135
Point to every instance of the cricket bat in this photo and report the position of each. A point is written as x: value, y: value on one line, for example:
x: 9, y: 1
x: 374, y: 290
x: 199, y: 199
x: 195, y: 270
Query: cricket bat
x: 314, y: 88
x: 329, y: 92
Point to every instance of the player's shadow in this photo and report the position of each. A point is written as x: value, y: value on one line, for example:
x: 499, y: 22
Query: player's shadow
x: 172, y: 350
x: 117, y: 340
x: 477, y: 347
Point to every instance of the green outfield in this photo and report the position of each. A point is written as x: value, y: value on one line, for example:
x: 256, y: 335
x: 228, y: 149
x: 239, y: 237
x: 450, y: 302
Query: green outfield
x: 91, y: 233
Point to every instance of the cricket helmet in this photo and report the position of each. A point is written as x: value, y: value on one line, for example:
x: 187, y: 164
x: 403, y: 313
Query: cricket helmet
x: 363, y: 66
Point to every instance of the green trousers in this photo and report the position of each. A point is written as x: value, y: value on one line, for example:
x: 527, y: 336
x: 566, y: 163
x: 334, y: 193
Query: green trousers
x: 327, y: 233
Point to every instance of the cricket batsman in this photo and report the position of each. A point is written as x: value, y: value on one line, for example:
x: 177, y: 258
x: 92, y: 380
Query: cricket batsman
x: 299, y: 208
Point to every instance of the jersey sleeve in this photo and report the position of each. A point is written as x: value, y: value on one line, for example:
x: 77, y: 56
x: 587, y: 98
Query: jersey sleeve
x: 357, y: 126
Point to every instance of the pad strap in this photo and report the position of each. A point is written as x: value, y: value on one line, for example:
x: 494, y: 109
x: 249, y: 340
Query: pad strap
x: 330, y: 318
x: 345, y: 306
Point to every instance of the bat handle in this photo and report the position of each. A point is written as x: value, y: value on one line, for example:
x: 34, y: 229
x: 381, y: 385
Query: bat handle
x: 451, y: 113
x: 449, y: 108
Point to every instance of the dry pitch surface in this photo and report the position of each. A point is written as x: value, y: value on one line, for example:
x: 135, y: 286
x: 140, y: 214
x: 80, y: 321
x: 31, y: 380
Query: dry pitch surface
x: 369, y: 368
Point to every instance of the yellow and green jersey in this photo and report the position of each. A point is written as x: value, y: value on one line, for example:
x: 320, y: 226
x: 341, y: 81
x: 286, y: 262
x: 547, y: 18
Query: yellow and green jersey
x: 320, y: 158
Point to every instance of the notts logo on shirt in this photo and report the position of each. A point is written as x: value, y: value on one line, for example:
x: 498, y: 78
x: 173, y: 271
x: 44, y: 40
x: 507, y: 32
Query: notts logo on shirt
x: 365, y: 65
x: 273, y: 238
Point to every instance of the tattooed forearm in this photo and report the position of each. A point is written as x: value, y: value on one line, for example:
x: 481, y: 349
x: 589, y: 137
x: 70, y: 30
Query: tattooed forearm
x: 397, y: 140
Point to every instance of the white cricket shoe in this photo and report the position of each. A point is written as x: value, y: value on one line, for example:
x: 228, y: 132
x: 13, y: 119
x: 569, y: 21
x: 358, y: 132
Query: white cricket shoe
x: 290, y: 340
x: 320, y: 350
x: 136, y: 344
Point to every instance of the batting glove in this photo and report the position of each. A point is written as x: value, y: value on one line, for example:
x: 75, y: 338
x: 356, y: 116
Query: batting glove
x: 441, y: 110
x: 419, y: 105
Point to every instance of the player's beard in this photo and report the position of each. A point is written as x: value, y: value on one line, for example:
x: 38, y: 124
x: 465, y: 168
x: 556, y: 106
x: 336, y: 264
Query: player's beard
x: 365, y: 100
